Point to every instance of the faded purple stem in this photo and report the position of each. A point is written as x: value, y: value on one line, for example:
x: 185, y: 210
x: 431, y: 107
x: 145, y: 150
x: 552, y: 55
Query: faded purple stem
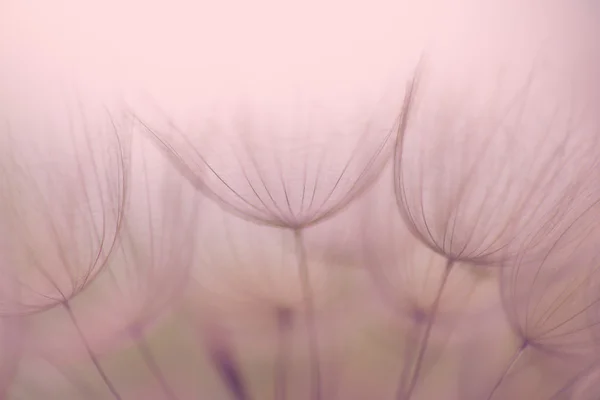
x: 284, y: 323
x: 91, y: 353
x: 405, y: 390
x: 311, y: 326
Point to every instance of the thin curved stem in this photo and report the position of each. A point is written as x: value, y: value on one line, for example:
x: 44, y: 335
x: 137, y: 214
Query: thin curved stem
x: 411, y: 345
x: 514, y: 359
x: 91, y: 353
x: 152, y: 365
x: 405, y: 390
x: 311, y: 326
x: 224, y: 361
x: 230, y: 373
x: 284, y: 322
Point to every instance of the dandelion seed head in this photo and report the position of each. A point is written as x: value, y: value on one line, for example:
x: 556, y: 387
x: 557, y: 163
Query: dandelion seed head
x: 63, y: 204
x: 549, y: 301
x: 290, y: 104
x: 488, y: 170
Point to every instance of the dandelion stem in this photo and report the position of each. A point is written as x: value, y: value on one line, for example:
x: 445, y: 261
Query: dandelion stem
x: 514, y: 359
x: 220, y: 351
x: 411, y: 346
x: 284, y: 321
x: 91, y: 353
x: 308, y: 298
x: 152, y: 364
x: 405, y: 391
x: 230, y: 373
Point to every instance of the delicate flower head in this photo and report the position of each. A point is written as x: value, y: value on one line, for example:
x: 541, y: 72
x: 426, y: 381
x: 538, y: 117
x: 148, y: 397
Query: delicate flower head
x: 150, y: 266
x: 487, y: 171
x: 63, y: 195
x: 292, y: 167
x: 550, y: 302
x: 405, y: 271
